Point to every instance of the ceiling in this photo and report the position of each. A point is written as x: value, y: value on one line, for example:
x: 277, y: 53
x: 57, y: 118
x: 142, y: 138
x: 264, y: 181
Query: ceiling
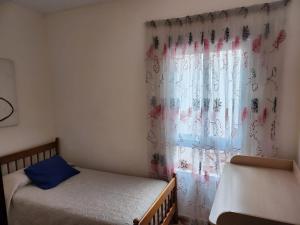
x: 49, y: 6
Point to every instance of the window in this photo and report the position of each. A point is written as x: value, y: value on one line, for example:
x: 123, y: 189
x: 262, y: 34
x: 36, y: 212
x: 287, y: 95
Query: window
x: 205, y: 97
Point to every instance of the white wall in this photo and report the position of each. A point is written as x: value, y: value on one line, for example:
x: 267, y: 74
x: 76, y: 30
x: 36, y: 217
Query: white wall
x: 97, y: 54
x: 23, y: 39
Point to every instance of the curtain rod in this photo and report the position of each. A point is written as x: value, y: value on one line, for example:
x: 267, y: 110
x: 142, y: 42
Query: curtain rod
x: 216, y: 14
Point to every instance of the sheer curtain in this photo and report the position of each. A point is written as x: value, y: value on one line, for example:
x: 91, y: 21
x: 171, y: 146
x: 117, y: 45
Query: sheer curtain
x: 213, y: 85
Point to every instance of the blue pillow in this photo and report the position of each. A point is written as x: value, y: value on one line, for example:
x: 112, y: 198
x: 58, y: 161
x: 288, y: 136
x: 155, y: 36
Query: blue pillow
x: 50, y: 172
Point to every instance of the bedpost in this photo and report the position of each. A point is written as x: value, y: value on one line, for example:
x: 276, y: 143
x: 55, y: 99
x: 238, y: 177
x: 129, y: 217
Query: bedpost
x: 3, y: 214
x: 175, y: 217
x: 57, y: 150
x: 136, y: 221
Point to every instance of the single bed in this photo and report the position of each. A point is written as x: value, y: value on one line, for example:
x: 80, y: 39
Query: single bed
x: 91, y: 197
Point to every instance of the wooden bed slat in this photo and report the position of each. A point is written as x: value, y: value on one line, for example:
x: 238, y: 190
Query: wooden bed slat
x: 162, y: 212
x: 171, y: 214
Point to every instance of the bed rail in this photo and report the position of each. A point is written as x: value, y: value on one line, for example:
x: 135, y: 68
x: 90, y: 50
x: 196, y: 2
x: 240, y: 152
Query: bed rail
x: 164, y: 209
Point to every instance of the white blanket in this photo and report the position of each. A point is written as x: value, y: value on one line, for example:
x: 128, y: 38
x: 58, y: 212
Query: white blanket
x: 89, y: 198
x: 11, y: 183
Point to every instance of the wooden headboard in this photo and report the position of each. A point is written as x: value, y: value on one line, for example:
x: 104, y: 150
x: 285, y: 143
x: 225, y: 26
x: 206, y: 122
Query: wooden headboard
x: 20, y: 160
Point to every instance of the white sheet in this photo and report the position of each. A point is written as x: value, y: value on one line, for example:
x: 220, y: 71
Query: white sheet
x: 89, y: 198
x: 11, y: 183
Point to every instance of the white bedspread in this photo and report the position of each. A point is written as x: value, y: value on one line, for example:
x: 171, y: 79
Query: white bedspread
x: 89, y: 198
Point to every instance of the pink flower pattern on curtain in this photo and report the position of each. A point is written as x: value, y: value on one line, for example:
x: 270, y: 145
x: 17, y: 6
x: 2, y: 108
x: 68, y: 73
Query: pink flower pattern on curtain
x: 212, y: 93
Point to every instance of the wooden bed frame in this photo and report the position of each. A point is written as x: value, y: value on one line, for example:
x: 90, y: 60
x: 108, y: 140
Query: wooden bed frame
x: 162, y: 211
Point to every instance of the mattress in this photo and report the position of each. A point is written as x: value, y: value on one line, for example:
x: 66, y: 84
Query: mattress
x: 89, y: 198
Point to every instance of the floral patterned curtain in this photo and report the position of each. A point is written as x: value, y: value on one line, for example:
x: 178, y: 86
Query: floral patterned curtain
x: 213, y: 84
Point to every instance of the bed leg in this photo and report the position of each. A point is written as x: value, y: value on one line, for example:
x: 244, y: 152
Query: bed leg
x: 175, y: 217
x: 3, y: 214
